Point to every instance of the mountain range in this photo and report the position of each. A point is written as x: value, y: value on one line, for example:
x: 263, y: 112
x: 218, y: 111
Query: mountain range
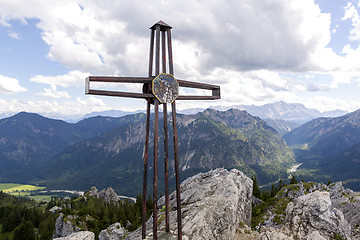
x: 108, y: 151
x: 293, y: 112
x: 329, y: 147
x: 105, y: 151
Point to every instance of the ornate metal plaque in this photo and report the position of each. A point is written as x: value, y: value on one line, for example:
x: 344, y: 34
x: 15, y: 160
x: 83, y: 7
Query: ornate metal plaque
x: 165, y: 88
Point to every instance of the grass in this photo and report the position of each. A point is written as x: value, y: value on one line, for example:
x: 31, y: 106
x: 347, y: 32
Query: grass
x: 7, y: 235
x: 5, y: 186
x: 303, y: 146
x: 40, y: 198
x: 24, y: 188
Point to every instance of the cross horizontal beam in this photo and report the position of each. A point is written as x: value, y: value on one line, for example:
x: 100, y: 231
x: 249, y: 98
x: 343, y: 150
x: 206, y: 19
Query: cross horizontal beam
x: 147, y: 80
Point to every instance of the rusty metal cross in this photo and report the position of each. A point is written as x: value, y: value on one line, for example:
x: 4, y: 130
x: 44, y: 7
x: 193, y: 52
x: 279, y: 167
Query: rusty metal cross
x: 162, y: 88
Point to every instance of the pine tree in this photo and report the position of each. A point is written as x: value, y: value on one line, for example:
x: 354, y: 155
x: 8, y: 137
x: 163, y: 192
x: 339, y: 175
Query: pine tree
x: 329, y: 181
x: 24, y: 231
x: 293, y: 180
x: 273, y: 191
x: 281, y: 185
x: 265, y: 195
x: 256, y: 189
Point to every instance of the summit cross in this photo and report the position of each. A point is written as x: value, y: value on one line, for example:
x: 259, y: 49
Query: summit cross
x: 161, y: 88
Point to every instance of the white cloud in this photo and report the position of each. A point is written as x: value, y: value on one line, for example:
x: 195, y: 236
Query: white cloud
x: 53, y: 93
x: 14, y: 35
x: 351, y: 13
x: 4, y: 23
x: 244, y: 46
x: 45, y: 107
x: 72, y: 78
x: 112, y: 37
x: 323, y: 103
x: 91, y: 101
x: 10, y: 85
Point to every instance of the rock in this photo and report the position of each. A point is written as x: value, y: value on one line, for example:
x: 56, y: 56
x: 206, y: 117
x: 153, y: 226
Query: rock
x: 256, y: 201
x: 55, y: 209
x: 333, y: 216
x: 245, y: 233
x: 273, y: 234
x: 92, y: 192
x: 347, y: 201
x: 113, y: 232
x: 314, y: 212
x: 83, y: 235
x: 108, y: 194
x: 315, y: 235
x: 213, y: 205
x: 63, y: 228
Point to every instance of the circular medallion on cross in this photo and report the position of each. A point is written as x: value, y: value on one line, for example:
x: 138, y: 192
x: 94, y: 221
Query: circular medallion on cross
x: 165, y: 88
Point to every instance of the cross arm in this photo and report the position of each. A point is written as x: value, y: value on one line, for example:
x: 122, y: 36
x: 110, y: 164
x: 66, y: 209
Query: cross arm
x: 214, y: 88
x: 148, y: 80
x: 117, y: 80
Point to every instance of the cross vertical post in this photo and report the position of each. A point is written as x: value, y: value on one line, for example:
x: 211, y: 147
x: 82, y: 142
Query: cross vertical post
x: 162, y: 88
x: 166, y: 154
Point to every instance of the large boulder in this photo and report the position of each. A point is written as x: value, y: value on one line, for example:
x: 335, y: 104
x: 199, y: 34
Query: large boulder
x: 83, y: 235
x: 313, y: 214
x: 92, y: 192
x: 113, y: 232
x: 347, y: 201
x: 213, y: 204
x: 109, y: 195
x: 64, y: 227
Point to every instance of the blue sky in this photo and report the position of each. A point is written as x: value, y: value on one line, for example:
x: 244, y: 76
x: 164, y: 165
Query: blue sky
x: 257, y: 51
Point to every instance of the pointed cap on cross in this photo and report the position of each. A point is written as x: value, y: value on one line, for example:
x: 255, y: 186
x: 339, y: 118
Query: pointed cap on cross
x: 163, y: 26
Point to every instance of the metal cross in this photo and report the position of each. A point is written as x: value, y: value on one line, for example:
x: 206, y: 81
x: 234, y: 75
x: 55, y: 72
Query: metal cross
x: 161, y: 88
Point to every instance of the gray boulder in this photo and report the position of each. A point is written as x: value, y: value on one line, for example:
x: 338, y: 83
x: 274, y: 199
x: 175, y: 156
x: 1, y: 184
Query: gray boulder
x: 273, y: 234
x: 64, y: 227
x: 213, y: 204
x: 313, y: 213
x: 113, y: 232
x: 108, y: 195
x: 83, y: 235
x: 92, y: 192
x: 347, y: 201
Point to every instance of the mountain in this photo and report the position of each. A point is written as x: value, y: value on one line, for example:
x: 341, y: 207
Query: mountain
x: 344, y: 167
x: 207, y: 140
x: 329, y: 148
x: 111, y: 113
x: 293, y: 112
x: 280, y: 125
x: 328, y: 136
x: 28, y: 139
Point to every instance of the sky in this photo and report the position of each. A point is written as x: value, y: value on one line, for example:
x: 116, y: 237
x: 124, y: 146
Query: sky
x: 258, y: 51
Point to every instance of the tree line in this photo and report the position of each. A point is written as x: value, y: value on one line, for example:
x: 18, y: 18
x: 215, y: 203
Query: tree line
x: 27, y: 219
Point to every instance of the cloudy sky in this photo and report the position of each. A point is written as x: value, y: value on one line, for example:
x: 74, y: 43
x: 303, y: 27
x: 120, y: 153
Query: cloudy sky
x: 258, y: 51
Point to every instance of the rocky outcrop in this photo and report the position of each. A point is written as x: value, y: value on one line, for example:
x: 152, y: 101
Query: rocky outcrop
x: 64, y: 227
x: 313, y: 211
x: 113, y: 232
x: 108, y: 194
x: 93, y: 192
x: 347, y: 201
x: 212, y: 205
x: 273, y: 234
x: 312, y: 214
x: 83, y: 235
